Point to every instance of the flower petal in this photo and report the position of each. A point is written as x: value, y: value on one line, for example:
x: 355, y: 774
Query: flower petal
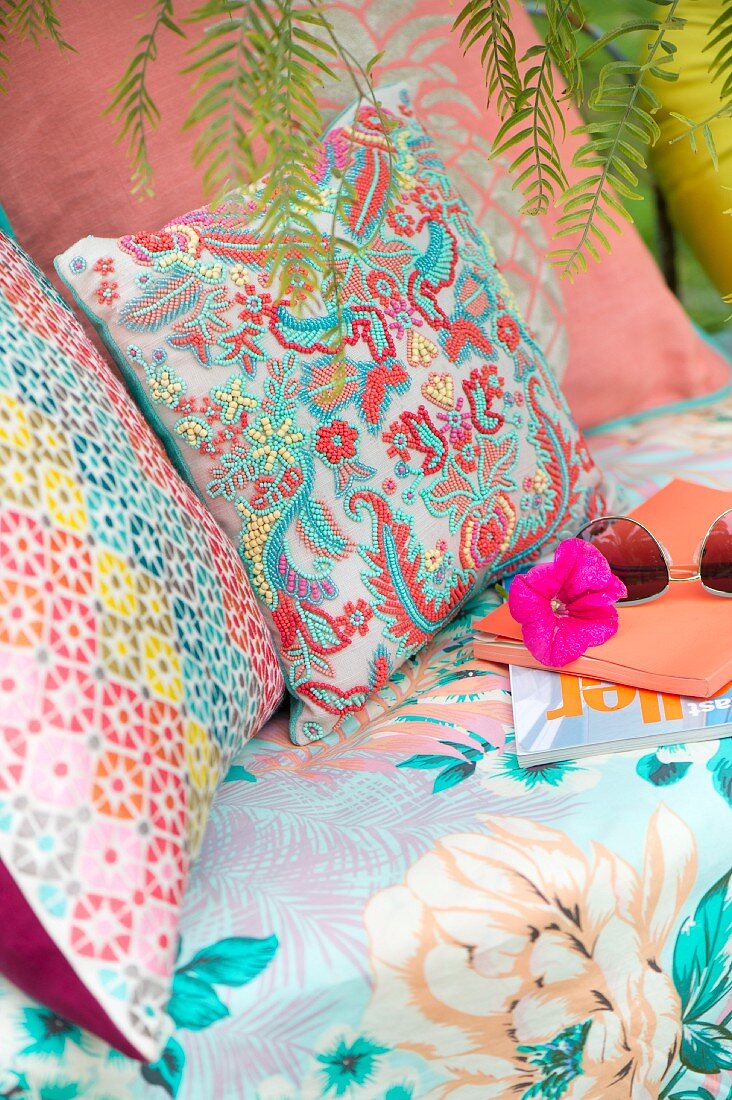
x: 525, y: 603
x: 592, y: 605
x: 567, y: 638
x: 590, y: 571
x: 580, y: 578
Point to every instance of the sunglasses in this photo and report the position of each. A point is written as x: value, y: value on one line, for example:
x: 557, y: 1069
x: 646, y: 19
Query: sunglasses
x: 643, y: 564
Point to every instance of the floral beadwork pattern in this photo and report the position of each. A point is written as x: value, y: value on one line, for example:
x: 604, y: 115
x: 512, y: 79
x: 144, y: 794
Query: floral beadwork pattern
x: 133, y: 663
x: 428, y: 454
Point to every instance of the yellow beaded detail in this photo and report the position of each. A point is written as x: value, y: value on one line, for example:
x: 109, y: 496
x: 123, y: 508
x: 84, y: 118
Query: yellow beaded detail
x: 274, y: 442
x: 440, y: 390
x: 420, y: 350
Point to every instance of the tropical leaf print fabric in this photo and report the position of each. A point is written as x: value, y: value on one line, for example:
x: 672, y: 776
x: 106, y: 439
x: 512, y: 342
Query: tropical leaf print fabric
x: 134, y: 663
x: 418, y: 918
x: 372, y: 492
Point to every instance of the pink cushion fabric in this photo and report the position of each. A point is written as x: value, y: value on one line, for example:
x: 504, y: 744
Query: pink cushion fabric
x: 64, y: 172
x: 630, y: 344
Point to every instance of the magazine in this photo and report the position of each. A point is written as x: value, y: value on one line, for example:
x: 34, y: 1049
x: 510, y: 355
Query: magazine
x: 558, y: 716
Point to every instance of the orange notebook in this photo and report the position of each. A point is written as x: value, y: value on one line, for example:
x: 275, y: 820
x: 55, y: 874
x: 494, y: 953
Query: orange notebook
x: 680, y: 643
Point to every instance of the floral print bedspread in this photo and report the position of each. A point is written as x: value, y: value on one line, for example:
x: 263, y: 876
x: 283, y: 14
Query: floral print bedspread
x: 404, y: 913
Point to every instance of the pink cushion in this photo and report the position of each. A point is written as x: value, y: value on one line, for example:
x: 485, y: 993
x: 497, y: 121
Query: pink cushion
x: 65, y: 173
x: 631, y: 346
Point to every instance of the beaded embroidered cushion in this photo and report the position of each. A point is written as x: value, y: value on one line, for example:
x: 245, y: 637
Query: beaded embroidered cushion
x: 370, y: 492
x: 133, y: 663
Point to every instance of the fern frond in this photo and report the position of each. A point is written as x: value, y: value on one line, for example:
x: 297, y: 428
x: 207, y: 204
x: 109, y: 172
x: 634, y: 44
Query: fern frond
x: 614, y: 150
x: 260, y: 67
x: 565, y: 18
x: 532, y: 130
x: 3, y: 55
x: 290, y: 199
x: 489, y: 20
x: 529, y: 133
x: 720, y: 40
x: 132, y: 104
x: 33, y: 20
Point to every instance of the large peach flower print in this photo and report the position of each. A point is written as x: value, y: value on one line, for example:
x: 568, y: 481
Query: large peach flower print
x: 518, y: 966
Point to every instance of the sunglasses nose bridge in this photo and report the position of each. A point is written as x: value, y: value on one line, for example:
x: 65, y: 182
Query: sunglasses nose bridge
x: 683, y: 573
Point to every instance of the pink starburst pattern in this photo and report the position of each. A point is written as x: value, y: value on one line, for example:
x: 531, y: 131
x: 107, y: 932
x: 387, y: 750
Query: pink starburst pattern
x: 403, y: 316
x: 458, y: 423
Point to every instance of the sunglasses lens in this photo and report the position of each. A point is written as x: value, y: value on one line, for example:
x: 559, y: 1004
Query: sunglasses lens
x: 633, y: 555
x: 715, y: 567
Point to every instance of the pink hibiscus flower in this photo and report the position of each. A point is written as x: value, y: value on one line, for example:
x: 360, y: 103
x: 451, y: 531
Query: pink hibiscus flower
x: 567, y: 605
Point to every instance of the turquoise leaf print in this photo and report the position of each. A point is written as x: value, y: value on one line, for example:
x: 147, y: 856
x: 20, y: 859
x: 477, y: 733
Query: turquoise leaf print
x: 194, y: 1004
x: 702, y: 973
x: 236, y: 773
x: 234, y: 961
x: 692, y: 1094
x: 168, y: 1071
x: 452, y: 769
x: 49, y: 1032
x: 706, y: 1048
x: 664, y: 773
x: 661, y: 773
x: 721, y: 768
x: 68, y: 1090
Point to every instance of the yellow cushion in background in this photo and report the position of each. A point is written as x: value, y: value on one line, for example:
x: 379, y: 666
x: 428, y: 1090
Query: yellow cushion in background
x: 697, y: 194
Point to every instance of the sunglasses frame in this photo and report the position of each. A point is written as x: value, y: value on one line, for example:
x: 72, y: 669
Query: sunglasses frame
x: 677, y: 574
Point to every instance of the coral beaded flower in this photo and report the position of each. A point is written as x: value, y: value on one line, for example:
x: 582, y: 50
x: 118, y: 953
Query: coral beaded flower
x: 566, y: 605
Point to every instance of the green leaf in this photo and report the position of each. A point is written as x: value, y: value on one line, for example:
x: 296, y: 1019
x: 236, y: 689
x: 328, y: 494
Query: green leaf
x: 234, y: 961
x: 719, y: 38
x: 706, y: 1048
x: 194, y: 1004
x: 132, y: 104
x: 167, y: 1072
x: 488, y: 21
x: 628, y: 27
x: 612, y: 143
x: 702, y: 964
x: 695, y: 1094
x: 711, y: 147
x: 373, y: 62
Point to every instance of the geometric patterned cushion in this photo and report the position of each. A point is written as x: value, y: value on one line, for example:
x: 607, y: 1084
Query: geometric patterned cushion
x: 370, y: 493
x: 133, y: 664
